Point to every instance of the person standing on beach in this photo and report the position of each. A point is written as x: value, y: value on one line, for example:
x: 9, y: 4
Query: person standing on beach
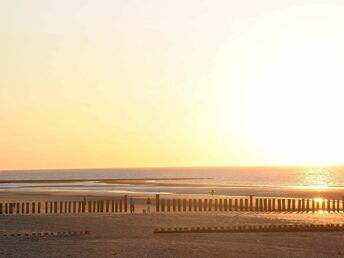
x: 148, y: 202
x: 132, y: 205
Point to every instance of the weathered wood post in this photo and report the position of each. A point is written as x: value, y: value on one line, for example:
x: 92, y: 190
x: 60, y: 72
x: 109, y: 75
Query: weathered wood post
x: 6, y: 208
x: 236, y: 204
x: 102, y: 205
x: 241, y: 204
x: 50, y: 207
x: 256, y: 204
x: 343, y: 203
x: 251, y: 202
x: 299, y: 205
x: 303, y: 205
x: 112, y: 206
x: 289, y: 205
x: 125, y: 203
x: 184, y: 205
x: 194, y: 202
x: 168, y: 205
x: 293, y: 205
x: 261, y: 205
x: 274, y: 204
x: 269, y: 205
x: 221, y: 204
x: 162, y: 205
x: 55, y: 207
x: 17, y: 207
x: 307, y: 203
x: 216, y: 204
x: 333, y: 205
x: 1, y: 212
x: 107, y: 205
x: 33, y: 207
x: 22, y: 208
x: 174, y: 205
x: 210, y: 204
x: 313, y: 205
x: 157, y: 202
x: 27, y: 208
x: 265, y: 204
x: 225, y: 204
x: 328, y: 205
x: 39, y: 207
x: 190, y: 205
x: 116, y: 206
x: 283, y: 204
x: 179, y: 204
x: 120, y: 205
x: 200, y: 208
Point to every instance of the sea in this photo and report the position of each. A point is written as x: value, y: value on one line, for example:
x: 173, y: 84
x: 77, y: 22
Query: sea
x: 200, y: 180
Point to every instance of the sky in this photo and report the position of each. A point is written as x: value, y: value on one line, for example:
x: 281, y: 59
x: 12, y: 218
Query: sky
x: 170, y: 83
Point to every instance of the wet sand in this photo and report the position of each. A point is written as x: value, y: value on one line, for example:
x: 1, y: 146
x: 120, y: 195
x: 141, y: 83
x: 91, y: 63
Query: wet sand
x: 126, y: 235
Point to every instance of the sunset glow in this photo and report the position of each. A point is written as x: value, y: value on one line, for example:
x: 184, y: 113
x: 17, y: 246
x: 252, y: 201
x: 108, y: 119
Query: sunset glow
x: 119, y: 84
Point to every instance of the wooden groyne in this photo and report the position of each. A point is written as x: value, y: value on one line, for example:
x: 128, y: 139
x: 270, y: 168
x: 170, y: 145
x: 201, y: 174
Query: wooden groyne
x: 250, y: 203
x: 118, y: 205
x: 256, y: 228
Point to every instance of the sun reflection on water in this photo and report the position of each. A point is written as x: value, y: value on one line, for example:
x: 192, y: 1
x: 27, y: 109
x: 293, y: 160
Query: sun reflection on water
x: 317, y: 178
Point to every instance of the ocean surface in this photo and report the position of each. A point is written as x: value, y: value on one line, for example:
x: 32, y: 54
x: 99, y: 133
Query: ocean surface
x: 226, y: 180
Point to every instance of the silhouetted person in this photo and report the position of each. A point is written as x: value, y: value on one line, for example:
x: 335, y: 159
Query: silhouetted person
x: 132, y: 205
x: 212, y: 192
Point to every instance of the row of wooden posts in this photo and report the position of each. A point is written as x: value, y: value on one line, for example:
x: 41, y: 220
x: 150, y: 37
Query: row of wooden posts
x: 248, y: 204
x: 54, y: 207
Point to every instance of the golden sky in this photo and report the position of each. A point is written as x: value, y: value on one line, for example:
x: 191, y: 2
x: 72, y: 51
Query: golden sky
x: 171, y: 83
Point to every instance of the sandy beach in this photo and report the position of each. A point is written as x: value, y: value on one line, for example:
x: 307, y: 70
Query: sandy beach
x: 131, y: 235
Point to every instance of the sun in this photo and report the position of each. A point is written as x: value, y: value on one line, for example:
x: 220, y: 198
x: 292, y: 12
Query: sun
x: 293, y: 109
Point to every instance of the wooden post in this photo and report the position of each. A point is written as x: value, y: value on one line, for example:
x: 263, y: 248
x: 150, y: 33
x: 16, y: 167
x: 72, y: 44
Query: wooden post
x: 27, y: 208
x: 200, y: 208
x: 194, y: 201
x: 299, y: 208
x: 22, y: 208
x: 39, y: 208
x: 293, y: 205
x: 251, y: 202
x: 125, y: 203
x: 190, y: 205
x: 55, y: 207
x: 307, y: 202
x: 179, y: 204
x: 289, y: 205
x: 6, y: 208
x: 241, y: 201
x: 69, y: 207
x: 1, y: 212
x: 120, y: 205
x: 184, y: 205
x: 328, y: 205
x: 33, y: 208
x: 283, y: 204
x: 51, y: 207
x: 107, y: 205
x: 269, y: 205
x: 225, y: 204
x: 265, y: 204
x: 257, y: 204
x: 236, y: 204
x: 210, y: 204
x: 261, y: 206
x: 168, y: 205
x: 162, y: 205
x: 174, y: 205
x: 313, y: 205
x: 116, y: 206
x: 17, y: 207
x: 157, y: 202
x: 216, y: 204
x: 230, y: 206
x: 112, y: 206
x: 334, y: 205
x: 303, y: 205
x: 221, y: 204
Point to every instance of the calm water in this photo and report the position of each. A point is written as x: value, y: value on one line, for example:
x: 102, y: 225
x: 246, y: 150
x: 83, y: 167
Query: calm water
x: 229, y: 177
